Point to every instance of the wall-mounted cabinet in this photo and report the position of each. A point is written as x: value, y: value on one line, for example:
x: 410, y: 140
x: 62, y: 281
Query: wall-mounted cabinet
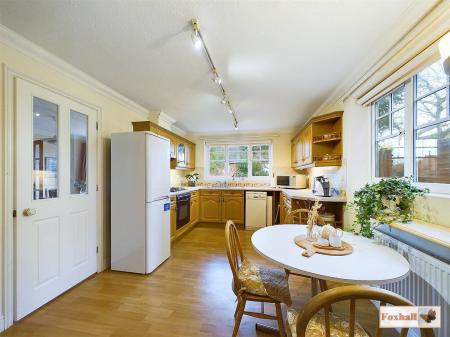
x: 182, y: 151
x: 319, y: 143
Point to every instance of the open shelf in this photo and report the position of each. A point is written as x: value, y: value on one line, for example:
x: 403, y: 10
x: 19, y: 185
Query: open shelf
x: 328, y: 157
x: 326, y: 140
x: 328, y: 137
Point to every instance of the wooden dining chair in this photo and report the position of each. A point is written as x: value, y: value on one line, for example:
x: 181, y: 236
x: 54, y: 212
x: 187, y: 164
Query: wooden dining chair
x: 297, y: 216
x: 235, y: 256
x: 310, y: 322
x: 300, y: 216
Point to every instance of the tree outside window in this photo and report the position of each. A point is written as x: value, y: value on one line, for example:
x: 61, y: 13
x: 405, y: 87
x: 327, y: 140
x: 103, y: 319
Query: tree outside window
x: 432, y: 125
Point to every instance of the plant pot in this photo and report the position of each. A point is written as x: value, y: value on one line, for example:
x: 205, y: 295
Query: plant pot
x: 191, y: 183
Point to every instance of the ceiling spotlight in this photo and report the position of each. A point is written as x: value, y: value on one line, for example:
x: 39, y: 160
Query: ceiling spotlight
x: 197, y: 40
x: 37, y: 114
x: 216, y: 76
x: 217, y: 79
x: 196, y: 37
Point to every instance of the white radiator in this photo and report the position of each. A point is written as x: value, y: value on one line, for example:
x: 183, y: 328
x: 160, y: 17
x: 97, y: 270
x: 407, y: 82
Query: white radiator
x: 427, y: 284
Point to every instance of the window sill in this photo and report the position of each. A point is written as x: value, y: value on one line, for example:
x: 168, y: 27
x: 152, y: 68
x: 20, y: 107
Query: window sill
x: 425, y: 230
x: 428, y: 238
x: 438, y: 195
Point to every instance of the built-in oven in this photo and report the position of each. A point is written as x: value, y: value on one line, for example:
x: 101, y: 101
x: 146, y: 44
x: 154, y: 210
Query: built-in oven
x: 183, y: 209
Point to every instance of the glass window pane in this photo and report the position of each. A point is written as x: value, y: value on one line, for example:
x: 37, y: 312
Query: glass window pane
x: 383, y: 105
x: 398, y: 121
x: 433, y: 154
x: 217, y: 153
x: 260, y: 168
x: 78, y: 152
x: 45, y: 149
x: 391, y: 157
x: 256, y: 152
x: 238, y: 169
x: 216, y: 168
x: 432, y: 108
x: 237, y: 152
x: 383, y: 126
x: 398, y: 98
x: 430, y: 79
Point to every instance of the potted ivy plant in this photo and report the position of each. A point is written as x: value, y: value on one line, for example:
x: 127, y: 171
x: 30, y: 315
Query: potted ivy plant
x: 192, y: 179
x: 385, y: 201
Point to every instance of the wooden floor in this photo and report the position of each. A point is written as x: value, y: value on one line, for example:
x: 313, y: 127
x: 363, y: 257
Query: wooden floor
x: 189, y: 295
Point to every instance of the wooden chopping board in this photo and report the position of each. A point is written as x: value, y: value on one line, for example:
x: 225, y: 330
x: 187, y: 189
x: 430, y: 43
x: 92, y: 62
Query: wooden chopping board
x: 310, y: 249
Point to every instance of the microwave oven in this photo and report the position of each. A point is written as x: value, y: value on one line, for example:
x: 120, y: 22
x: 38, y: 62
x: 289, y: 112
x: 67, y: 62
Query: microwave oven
x: 293, y: 181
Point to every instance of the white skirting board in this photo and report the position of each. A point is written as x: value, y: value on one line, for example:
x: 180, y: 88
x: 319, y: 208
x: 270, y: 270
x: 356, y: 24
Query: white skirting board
x: 426, y: 285
x: 2, y: 323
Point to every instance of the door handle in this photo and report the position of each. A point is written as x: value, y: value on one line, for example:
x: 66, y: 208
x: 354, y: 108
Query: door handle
x: 29, y: 211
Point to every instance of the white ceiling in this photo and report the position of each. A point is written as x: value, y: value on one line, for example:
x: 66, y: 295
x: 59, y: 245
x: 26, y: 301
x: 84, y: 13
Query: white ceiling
x: 279, y: 60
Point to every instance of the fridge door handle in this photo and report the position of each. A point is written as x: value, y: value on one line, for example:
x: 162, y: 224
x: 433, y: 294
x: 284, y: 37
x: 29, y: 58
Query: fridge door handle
x: 163, y: 198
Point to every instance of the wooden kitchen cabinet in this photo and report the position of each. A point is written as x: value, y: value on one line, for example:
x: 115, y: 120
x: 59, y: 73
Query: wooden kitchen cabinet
x: 190, y: 156
x: 182, y: 151
x: 222, y: 205
x: 294, y: 153
x: 319, y: 143
x: 306, y: 145
x: 194, y: 210
x: 233, y: 209
x: 299, y: 149
x: 210, y: 208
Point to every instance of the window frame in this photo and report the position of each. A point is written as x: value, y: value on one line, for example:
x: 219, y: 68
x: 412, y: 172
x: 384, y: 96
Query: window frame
x: 227, y: 175
x: 410, y: 129
x: 376, y: 118
x: 207, y: 160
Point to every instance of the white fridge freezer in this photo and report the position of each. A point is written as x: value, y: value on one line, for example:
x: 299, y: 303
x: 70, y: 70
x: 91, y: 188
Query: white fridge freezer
x: 140, y: 204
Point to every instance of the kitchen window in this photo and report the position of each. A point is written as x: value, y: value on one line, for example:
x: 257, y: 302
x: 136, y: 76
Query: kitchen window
x: 411, y: 128
x: 238, y: 161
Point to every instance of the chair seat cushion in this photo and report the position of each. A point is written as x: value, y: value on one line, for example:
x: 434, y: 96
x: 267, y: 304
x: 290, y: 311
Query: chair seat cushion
x: 339, y: 326
x: 251, y: 279
x: 264, y: 281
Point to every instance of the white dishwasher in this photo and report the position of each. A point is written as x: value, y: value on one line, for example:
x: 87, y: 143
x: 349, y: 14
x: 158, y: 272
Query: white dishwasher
x: 255, y: 210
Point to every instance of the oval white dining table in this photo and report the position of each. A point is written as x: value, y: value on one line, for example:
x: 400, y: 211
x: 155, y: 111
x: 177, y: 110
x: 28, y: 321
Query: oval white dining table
x: 369, y: 263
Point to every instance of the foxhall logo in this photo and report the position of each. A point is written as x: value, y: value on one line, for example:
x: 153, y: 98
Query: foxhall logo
x: 410, y: 317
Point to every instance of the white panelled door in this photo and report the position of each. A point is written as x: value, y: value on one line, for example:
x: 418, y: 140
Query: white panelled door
x: 55, y: 237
